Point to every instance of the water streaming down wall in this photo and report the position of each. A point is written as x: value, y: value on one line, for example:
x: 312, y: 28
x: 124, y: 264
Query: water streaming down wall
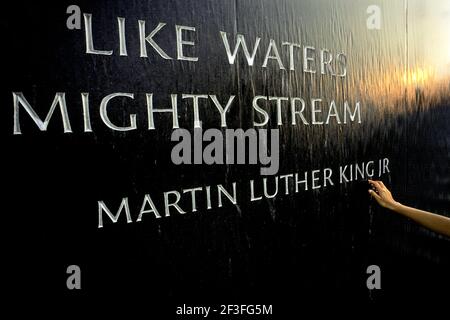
x: 315, y: 242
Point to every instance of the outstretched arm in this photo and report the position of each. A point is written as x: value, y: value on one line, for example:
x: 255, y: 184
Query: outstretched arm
x: 434, y: 222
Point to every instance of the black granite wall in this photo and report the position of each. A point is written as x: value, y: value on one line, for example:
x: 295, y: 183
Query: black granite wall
x: 296, y: 247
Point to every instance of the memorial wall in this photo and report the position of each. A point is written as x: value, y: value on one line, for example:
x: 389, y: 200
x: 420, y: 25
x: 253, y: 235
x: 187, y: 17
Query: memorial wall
x: 201, y: 152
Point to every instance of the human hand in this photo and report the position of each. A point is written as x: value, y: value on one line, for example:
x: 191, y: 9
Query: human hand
x: 382, y: 195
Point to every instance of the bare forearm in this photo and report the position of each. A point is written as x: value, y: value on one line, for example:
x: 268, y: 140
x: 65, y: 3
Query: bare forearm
x: 434, y: 222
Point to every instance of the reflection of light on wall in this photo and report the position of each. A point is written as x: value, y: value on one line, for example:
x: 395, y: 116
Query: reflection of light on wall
x: 433, y: 34
x: 395, y: 87
x: 418, y: 76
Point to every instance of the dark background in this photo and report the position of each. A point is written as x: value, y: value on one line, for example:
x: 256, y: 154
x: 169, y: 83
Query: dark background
x: 311, y: 246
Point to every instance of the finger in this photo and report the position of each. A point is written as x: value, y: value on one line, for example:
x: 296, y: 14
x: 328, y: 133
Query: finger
x: 375, y: 195
x: 371, y: 183
x: 382, y: 184
x: 376, y: 185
